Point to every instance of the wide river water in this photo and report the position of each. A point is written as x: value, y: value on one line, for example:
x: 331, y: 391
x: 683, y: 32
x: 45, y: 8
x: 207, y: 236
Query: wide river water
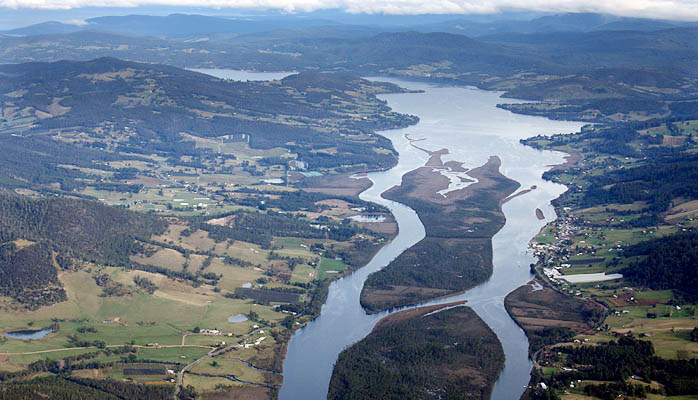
x: 467, y: 122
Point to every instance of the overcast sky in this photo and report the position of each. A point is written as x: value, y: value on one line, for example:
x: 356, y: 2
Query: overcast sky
x: 686, y: 10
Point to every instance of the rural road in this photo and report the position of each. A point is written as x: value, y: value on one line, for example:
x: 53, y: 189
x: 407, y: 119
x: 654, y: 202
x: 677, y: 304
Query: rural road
x: 94, y: 347
x: 212, y: 353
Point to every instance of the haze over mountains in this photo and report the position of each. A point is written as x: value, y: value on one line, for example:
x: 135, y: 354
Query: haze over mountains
x: 186, y: 26
x: 548, y: 44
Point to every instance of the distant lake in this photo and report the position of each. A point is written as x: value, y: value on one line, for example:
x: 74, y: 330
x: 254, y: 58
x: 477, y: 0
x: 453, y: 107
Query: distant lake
x: 28, y: 334
x: 237, y: 75
x: 368, y: 218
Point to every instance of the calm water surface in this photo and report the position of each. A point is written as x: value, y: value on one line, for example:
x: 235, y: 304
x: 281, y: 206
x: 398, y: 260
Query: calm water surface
x: 29, y: 334
x: 236, y: 75
x: 467, y: 122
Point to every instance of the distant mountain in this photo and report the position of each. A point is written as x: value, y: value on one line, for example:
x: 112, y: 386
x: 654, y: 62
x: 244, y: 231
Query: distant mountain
x: 188, y: 26
x: 670, y: 49
x: 184, y: 25
x: 45, y: 28
x: 645, y: 25
x: 569, y: 22
x: 174, y: 26
x: 361, y: 50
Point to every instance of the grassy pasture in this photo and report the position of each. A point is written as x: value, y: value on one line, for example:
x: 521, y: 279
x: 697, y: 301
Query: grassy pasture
x: 330, y: 265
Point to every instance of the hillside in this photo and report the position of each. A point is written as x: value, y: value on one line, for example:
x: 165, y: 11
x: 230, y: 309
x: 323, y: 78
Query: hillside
x: 107, y: 109
x: 666, y: 263
x: 38, y: 237
x: 594, y: 75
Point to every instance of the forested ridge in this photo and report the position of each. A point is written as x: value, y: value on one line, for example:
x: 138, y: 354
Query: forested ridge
x: 40, y: 236
x: 666, y: 263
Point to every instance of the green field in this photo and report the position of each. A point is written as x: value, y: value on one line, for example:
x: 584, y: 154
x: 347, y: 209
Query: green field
x: 327, y: 264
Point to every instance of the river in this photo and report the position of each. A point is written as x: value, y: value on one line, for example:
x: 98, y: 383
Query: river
x: 467, y: 122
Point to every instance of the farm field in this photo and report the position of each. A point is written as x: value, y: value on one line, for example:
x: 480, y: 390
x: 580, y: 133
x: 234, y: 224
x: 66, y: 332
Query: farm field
x: 173, y: 307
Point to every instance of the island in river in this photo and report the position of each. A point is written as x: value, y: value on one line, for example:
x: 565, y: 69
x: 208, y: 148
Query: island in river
x: 456, y: 253
x: 443, y: 351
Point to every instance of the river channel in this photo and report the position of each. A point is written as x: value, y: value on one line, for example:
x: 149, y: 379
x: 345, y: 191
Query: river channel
x: 467, y: 122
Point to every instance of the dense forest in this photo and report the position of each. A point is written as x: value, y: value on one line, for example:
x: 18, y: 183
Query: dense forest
x: 39, y: 236
x: 666, y: 263
x: 452, y: 265
x: 84, y: 229
x: 449, y: 354
x: 68, y: 388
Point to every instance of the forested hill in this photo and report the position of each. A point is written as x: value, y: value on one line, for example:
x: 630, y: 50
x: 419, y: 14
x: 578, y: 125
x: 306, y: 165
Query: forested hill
x: 448, y: 55
x: 666, y: 263
x: 122, y: 106
x: 40, y: 236
x: 639, y: 72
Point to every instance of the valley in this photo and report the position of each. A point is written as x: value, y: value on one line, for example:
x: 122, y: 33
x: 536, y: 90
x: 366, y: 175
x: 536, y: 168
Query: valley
x: 215, y: 228
x: 498, y: 215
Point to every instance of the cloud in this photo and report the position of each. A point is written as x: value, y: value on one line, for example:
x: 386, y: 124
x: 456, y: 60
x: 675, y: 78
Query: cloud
x: 76, y: 22
x: 660, y: 9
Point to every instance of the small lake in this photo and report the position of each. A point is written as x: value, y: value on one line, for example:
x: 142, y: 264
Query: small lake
x: 368, y: 218
x: 237, y: 318
x: 28, y: 334
x: 235, y: 75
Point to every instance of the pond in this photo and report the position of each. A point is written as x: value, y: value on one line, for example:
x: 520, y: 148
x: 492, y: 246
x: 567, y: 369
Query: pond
x: 237, y: 318
x: 29, y: 334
